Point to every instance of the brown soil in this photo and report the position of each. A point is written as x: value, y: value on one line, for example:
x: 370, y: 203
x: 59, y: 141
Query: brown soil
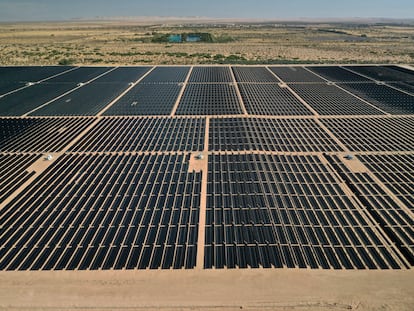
x: 246, y: 289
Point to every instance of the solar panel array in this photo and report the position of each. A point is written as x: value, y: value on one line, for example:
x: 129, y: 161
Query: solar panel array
x: 39, y: 134
x: 384, y: 97
x: 219, y: 74
x: 337, y: 74
x: 395, y: 218
x: 144, y: 134
x: 13, y: 78
x: 296, y: 74
x: 14, y: 172
x: 271, y: 99
x: 254, y: 75
x: 105, y: 211
x: 262, y: 134
x: 206, y: 167
x: 374, y: 134
x: 147, y: 99
x: 404, y: 86
x: 331, y: 100
x: 382, y: 73
x: 396, y: 171
x: 286, y: 211
x: 209, y: 99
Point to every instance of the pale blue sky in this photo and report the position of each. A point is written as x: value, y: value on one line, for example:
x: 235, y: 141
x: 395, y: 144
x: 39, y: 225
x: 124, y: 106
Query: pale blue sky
x: 43, y: 10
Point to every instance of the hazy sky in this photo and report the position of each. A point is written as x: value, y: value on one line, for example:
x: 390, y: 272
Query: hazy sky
x: 29, y: 10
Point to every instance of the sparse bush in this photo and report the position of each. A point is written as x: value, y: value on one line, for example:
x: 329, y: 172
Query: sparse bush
x: 235, y: 59
x: 201, y: 55
x: 223, y: 39
x: 66, y: 61
x: 176, y: 54
x: 160, y: 38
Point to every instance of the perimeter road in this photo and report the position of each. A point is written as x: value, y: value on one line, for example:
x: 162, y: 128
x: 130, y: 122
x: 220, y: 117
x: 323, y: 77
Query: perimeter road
x: 209, y: 290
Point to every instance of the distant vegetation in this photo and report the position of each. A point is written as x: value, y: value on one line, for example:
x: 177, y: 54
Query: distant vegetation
x: 223, y: 39
x: 340, y: 32
x: 66, y: 61
x: 204, y: 37
x: 228, y: 43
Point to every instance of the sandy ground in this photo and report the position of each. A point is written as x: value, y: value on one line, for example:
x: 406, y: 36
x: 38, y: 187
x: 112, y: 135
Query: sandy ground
x: 129, y: 43
x: 208, y: 290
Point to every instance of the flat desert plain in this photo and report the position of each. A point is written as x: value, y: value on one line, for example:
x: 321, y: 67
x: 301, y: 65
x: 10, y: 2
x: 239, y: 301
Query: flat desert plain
x: 135, y: 43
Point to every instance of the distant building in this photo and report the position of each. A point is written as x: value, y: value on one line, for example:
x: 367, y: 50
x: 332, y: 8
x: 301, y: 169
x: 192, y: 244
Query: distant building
x: 175, y: 39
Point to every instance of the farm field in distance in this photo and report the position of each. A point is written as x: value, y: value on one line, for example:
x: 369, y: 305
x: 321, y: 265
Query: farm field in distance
x: 131, y: 42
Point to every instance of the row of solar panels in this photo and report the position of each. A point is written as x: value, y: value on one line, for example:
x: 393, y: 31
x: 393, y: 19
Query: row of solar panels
x: 141, y: 211
x: 17, y: 76
x: 131, y: 134
x: 210, y: 91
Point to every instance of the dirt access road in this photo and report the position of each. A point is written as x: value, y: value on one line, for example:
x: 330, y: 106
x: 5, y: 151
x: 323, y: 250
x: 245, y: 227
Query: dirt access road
x: 249, y: 289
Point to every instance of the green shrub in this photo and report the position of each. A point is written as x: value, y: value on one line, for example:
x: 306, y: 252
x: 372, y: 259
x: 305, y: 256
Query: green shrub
x: 66, y: 61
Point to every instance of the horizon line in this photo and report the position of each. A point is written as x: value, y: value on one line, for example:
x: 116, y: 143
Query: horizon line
x: 221, y: 19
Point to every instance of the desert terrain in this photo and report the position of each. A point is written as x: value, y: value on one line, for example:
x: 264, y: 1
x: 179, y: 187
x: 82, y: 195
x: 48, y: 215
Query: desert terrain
x: 132, y: 43
x: 245, y: 289
x: 115, y: 43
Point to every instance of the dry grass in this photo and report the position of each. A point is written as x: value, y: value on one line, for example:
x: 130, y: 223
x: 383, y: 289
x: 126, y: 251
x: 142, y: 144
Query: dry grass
x: 118, y: 43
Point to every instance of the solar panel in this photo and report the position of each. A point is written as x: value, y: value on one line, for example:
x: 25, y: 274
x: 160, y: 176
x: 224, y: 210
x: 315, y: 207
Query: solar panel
x: 14, y: 173
x: 393, y: 218
x: 402, y: 70
x: 331, y: 100
x: 295, y: 74
x: 404, y: 86
x: 337, y: 74
x: 260, y: 134
x: 384, y: 97
x: 209, y: 99
x: 382, y: 73
x: 123, y: 75
x: 373, y: 134
x: 144, y: 134
x: 217, y: 74
x: 286, y: 211
x: 9, y: 86
x: 88, y: 100
x: 396, y: 171
x: 147, y: 99
x: 206, y: 167
x: 270, y: 99
x: 254, y: 75
x: 80, y: 75
x: 24, y: 74
x: 105, y: 212
x: 39, y: 134
x: 27, y: 99
x: 167, y: 75
x: 91, y: 98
